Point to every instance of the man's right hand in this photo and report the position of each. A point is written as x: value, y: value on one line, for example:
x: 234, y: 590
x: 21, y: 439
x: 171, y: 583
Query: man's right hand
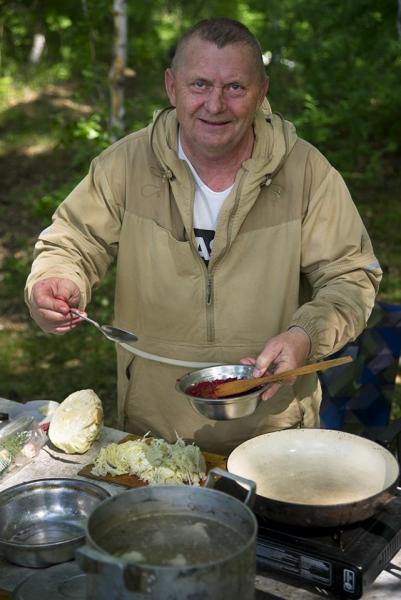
x: 50, y: 304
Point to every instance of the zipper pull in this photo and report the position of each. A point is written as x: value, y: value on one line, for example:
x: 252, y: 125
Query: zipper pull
x: 209, y: 291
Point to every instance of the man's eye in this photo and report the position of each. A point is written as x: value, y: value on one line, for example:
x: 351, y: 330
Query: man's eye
x: 199, y: 84
x: 236, y: 87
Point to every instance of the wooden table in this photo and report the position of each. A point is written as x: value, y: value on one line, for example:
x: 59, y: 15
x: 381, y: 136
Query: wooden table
x: 50, y: 463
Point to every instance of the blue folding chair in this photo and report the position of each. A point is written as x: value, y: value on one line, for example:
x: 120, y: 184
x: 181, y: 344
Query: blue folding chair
x: 357, y: 397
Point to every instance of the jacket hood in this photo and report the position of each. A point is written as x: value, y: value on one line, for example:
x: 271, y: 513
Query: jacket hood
x: 274, y: 139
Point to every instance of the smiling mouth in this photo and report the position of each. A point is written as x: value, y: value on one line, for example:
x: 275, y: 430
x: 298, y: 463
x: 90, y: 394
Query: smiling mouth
x: 215, y: 124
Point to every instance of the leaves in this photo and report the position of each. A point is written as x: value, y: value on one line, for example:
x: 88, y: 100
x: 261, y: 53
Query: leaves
x: 335, y: 71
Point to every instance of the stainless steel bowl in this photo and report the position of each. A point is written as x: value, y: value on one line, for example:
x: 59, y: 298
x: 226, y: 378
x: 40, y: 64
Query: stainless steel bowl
x: 42, y: 522
x: 221, y: 409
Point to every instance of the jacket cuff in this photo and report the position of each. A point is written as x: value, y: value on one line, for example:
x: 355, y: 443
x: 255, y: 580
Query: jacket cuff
x: 310, y: 329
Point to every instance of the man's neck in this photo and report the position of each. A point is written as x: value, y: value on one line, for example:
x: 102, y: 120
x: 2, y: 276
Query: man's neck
x: 217, y: 171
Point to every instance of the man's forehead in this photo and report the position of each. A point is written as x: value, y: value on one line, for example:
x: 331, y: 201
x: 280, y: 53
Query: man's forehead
x: 205, y: 59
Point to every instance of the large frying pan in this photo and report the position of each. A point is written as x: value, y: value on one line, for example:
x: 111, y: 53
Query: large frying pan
x: 316, y: 477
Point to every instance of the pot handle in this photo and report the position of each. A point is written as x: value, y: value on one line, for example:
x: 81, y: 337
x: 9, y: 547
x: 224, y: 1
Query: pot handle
x: 134, y: 578
x: 92, y: 561
x: 246, y: 483
x: 138, y: 579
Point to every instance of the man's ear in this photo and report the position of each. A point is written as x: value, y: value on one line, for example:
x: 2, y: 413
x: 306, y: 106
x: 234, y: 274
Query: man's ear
x: 265, y: 89
x: 169, y: 84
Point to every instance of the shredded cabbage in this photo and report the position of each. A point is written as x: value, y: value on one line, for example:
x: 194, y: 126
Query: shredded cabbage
x: 155, y: 461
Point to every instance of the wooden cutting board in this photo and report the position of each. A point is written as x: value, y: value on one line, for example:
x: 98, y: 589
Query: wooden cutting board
x: 131, y: 481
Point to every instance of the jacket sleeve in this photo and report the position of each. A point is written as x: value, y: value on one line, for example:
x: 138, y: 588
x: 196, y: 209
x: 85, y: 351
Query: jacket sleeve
x: 339, y: 264
x: 83, y: 238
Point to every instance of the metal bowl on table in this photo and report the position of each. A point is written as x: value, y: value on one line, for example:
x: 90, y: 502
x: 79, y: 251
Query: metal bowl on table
x: 42, y: 522
x: 221, y: 409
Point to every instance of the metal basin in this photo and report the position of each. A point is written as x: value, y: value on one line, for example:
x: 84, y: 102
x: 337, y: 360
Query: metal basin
x: 221, y: 409
x: 42, y: 522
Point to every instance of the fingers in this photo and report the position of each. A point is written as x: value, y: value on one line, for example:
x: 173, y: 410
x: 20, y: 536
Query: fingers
x: 59, y: 323
x: 53, y: 322
x: 283, y: 352
x: 248, y: 361
x: 50, y: 304
x: 271, y: 358
x: 267, y: 358
x: 43, y: 299
x: 273, y: 389
x: 67, y: 292
x: 286, y: 351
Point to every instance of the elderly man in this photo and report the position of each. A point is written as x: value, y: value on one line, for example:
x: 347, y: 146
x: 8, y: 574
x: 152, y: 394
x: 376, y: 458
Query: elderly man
x: 234, y: 240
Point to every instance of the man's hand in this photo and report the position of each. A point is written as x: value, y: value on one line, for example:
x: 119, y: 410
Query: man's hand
x: 50, y: 304
x: 283, y: 352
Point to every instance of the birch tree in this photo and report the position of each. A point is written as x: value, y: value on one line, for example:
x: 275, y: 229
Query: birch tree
x: 38, y: 45
x: 117, y: 70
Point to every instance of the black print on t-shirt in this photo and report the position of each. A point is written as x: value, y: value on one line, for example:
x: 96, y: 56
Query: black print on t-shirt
x: 204, y: 240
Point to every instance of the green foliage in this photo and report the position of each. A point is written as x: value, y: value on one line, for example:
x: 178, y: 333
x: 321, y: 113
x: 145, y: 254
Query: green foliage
x: 15, y: 272
x: 335, y: 72
x: 45, y: 205
x: 44, y: 366
x: 85, y: 137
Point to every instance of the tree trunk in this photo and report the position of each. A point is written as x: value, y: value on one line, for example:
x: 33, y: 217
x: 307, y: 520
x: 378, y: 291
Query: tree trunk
x: 38, y: 45
x: 117, y: 70
x: 399, y: 18
x: 92, y: 49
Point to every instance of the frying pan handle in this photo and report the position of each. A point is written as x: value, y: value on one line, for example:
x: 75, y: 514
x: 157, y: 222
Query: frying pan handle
x: 248, y: 484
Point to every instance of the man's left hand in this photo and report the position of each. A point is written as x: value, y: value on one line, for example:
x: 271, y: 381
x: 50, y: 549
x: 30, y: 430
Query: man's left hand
x: 283, y: 352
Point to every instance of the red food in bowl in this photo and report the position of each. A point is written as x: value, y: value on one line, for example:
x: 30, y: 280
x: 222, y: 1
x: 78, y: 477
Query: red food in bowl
x: 206, y: 389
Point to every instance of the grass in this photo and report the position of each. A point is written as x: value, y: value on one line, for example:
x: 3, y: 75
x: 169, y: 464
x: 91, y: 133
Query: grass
x: 42, y: 155
x: 35, y: 365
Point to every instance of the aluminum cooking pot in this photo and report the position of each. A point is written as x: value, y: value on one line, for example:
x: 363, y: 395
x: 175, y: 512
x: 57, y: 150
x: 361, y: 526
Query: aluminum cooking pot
x: 316, y: 477
x: 171, y: 542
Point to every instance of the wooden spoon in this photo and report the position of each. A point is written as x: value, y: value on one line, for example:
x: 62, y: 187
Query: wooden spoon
x: 239, y: 386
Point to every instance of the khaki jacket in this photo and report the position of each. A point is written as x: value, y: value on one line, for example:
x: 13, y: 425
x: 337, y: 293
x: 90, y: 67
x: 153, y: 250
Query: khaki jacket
x: 290, y: 249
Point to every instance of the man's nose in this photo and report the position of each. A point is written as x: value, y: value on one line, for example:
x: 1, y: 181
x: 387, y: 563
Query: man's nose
x: 215, y: 102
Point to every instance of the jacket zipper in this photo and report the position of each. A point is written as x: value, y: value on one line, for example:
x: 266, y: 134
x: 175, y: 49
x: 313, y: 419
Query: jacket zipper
x: 207, y: 274
x: 210, y: 329
x: 209, y: 291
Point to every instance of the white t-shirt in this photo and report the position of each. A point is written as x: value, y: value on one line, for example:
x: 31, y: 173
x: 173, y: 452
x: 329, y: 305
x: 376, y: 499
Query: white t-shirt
x: 207, y: 205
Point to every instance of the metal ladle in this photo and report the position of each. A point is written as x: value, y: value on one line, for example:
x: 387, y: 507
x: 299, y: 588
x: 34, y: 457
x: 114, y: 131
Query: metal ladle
x: 115, y: 334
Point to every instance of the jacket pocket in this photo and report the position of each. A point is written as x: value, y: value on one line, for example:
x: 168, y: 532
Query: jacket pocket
x: 174, y: 254
x: 154, y: 267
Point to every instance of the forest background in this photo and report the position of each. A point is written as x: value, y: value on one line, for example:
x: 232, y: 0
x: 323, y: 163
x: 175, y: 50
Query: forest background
x: 335, y: 71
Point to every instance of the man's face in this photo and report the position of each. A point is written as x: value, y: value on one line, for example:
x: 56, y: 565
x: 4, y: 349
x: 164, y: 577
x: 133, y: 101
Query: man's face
x: 216, y: 92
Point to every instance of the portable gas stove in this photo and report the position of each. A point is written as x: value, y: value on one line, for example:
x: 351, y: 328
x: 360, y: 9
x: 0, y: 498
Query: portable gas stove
x: 341, y: 561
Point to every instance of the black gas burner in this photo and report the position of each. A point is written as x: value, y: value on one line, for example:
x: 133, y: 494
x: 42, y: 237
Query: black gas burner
x: 341, y: 561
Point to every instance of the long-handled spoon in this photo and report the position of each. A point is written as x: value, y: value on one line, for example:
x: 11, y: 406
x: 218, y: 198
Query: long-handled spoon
x: 233, y: 388
x: 115, y: 334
